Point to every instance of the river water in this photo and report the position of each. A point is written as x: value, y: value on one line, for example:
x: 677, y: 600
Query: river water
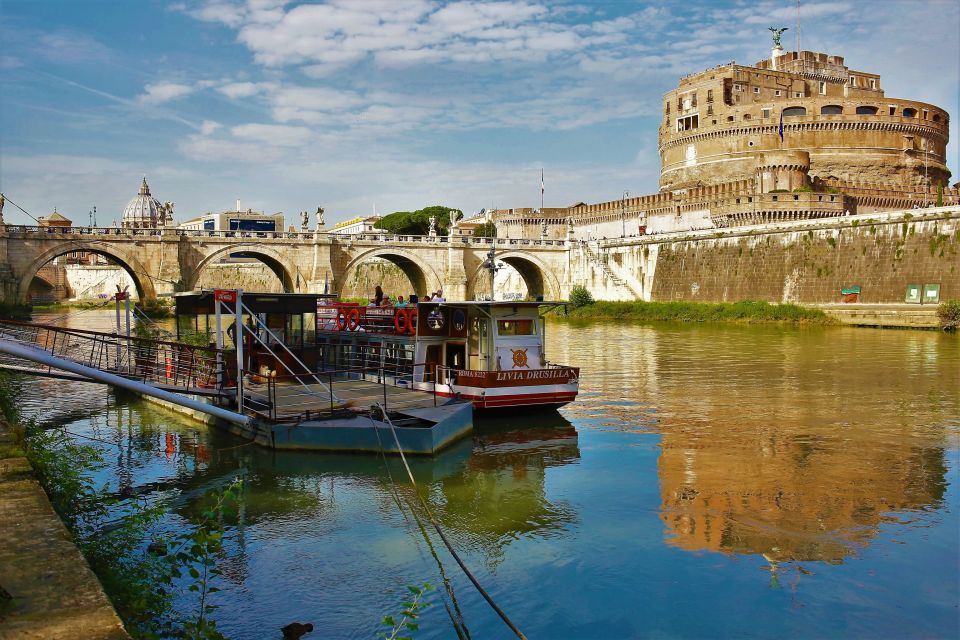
x: 710, y: 481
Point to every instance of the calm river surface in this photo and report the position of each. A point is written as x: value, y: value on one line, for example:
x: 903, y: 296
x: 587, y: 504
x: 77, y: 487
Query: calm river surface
x: 710, y: 481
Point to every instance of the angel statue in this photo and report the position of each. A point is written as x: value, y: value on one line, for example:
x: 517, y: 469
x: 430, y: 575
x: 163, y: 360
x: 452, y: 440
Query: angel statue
x: 3, y: 201
x: 304, y: 220
x: 776, y: 35
x: 319, y: 217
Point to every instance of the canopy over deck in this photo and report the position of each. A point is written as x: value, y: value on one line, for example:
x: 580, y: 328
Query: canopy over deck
x: 201, y: 302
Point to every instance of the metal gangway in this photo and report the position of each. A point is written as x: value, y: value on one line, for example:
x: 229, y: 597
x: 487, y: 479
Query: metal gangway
x: 168, y: 365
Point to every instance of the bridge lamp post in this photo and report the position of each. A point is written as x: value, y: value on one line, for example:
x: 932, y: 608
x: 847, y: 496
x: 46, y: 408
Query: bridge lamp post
x: 623, y: 214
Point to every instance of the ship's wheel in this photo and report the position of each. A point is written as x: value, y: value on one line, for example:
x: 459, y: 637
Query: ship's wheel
x: 519, y: 357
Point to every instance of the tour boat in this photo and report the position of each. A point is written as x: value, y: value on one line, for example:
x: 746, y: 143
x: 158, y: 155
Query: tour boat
x: 490, y: 353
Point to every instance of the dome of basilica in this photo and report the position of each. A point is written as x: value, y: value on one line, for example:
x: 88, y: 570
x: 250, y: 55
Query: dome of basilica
x: 144, y: 211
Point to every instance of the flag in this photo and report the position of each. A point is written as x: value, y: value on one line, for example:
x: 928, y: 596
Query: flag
x: 781, y: 126
x: 541, y: 182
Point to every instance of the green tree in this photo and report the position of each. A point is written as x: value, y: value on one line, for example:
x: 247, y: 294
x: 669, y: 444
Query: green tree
x: 486, y: 230
x: 417, y: 222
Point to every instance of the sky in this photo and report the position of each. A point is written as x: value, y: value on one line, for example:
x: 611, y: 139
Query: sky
x: 383, y: 105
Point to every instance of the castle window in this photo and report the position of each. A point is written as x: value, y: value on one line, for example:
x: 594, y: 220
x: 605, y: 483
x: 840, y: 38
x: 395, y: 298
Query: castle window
x: 794, y: 111
x: 853, y: 81
x: 909, y: 113
x: 866, y: 111
x: 798, y: 95
x: 756, y: 89
x: 709, y: 95
x: 893, y: 110
x: 738, y: 87
x: 766, y: 113
x: 823, y: 88
x: 746, y: 116
x: 926, y: 115
x: 777, y: 92
x: 873, y: 83
x: 936, y: 117
x: 831, y: 110
x: 729, y: 118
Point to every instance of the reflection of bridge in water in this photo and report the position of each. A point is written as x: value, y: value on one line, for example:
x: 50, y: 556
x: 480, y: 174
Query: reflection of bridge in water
x: 168, y: 260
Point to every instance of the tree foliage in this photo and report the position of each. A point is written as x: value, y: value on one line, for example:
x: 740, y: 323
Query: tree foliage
x: 486, y: 230
x: 417, y: 222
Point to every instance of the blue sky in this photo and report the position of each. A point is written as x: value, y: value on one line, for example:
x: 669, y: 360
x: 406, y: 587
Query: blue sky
x: 393, y: 104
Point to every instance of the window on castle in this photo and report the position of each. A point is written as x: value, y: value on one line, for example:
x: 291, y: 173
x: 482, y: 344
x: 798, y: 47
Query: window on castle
x: 926, y: 115
x: 798, y: 95
x: 936, y: 117
x: 909, y: 113
x: 756, y: 89
x: 867, y: 110
x: 853, y: 81
x: 823, y: 88
x: 794, y: 111
x: 893, y: 110
x: 831, y: 110
x: 746, y: 116
x: 765, y: 113
x: 777, y: 92
x: 873, y: 83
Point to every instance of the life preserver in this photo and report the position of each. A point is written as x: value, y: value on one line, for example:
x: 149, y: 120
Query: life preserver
x: 401, y: 321
x: 354, y: 319
x: 341, y: 320
x: 412, y: 317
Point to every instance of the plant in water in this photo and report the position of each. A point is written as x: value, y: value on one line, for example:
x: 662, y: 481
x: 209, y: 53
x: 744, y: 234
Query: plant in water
x: 408, y: 615
x: 580, y: 297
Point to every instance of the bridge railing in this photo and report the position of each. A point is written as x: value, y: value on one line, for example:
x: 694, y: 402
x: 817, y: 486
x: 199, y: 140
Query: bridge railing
x: 170, y: 364
x: 280, y: 235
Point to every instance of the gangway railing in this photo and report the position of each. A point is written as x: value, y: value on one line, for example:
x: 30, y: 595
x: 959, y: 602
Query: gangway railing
x: 159, y: 362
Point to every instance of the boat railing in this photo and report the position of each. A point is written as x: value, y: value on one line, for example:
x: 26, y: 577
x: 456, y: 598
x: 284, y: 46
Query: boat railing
x: 346, y: 391
x: 354, y: 317
x: 161, y: 362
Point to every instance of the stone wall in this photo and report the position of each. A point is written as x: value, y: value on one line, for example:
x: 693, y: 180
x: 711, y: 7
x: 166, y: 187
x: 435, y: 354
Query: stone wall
x: 805, y: 262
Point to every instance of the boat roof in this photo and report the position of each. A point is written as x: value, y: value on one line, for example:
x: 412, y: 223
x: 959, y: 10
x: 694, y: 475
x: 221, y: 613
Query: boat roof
x: 202, y: 302
x: 494, y: 303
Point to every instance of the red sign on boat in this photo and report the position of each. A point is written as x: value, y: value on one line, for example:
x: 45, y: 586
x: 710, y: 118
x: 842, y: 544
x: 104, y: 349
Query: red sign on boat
x: 225, y: 295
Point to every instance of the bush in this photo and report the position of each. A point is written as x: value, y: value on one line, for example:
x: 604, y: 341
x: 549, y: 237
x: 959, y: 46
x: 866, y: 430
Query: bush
x: 742, y: 311
x: 580, y: 297
x: 804, y: 189
x: 949, y: 314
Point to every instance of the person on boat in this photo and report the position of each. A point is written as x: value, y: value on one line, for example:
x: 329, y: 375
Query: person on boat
x: 400, y: 303
x: 377, y: 296
x: 438, y: 296
x: 426, y: 298
x: 386, y: 302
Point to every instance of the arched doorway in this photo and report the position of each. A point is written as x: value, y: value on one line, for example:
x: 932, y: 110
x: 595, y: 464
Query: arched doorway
x: 252, y: 268
x: 398, y: 272
x: 521, y: 276
x: 90, y: 271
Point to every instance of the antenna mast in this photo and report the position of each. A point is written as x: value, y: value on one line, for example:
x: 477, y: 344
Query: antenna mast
x: 798, y: 28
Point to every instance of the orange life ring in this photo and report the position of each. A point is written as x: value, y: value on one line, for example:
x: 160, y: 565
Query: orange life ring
x: 400, y: 321
x: 354, y: 319
x: 341, y: 320
x: 412, y: 321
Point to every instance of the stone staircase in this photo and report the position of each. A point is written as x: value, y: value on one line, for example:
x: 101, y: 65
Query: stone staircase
x: 611, y: 275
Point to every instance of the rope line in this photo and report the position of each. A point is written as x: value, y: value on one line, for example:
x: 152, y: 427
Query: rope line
x: 443, y: 537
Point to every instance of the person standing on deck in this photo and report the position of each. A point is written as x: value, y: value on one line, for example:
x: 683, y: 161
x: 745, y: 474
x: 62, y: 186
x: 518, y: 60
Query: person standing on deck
x: 400, y: 303
x: 378, y: 295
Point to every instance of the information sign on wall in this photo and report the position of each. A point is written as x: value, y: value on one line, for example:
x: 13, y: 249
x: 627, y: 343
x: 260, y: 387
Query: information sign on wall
x: 913, y: 294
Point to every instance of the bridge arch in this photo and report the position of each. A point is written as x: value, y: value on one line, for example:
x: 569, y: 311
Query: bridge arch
x: 423, y: 278
x: 539, y: 278
x: 141, y: 277
x: 274, y: 260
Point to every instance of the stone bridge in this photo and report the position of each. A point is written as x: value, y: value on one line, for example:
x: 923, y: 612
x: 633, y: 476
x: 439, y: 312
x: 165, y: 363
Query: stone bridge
x: 168, y: 260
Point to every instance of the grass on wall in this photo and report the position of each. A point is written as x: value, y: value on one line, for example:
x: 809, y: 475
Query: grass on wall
x: 746, y: 311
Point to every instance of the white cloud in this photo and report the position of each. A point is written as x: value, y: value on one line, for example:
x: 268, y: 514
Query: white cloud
x: 161, y: 92
x: 243, y: 89
x: 274, y: 134
x: 209, y: 126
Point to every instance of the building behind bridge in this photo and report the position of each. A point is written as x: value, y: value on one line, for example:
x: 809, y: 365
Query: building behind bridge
x: 797, y: 136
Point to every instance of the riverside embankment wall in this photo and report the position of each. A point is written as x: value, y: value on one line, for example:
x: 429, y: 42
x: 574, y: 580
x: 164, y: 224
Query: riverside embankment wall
x: 804, y: 262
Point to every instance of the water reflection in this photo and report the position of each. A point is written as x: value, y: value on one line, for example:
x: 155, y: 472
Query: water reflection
x: 792, y: 445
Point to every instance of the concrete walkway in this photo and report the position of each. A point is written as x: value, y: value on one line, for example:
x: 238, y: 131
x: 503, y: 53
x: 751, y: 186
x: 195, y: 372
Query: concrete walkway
x: 55, y: 594
x: 905, y: 316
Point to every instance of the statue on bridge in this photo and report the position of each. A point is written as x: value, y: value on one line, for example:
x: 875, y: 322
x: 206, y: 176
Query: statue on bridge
x: 3, y: 201
x: 433, y: 225
x: 304, y: 220
x: 320, y: 223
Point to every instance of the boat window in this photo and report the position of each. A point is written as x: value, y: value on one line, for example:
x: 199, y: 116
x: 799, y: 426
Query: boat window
x: 459, y: 320
x: 515, y: 327
x: 436, y: 319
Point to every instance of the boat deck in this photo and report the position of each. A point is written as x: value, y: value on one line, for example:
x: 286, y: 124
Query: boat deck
x: 286, y: 400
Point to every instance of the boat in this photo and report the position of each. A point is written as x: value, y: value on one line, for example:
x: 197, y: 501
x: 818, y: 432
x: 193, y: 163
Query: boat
x: 490, y: 353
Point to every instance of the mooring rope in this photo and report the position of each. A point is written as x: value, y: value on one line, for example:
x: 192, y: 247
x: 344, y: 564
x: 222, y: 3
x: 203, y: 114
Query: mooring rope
x: 443, y: 537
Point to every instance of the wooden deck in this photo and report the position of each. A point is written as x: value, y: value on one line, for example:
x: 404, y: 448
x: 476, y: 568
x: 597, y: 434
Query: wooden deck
x: 292, y: 399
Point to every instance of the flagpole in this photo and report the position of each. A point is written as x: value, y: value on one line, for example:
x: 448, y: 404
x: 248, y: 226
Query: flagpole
x: 541, y: 189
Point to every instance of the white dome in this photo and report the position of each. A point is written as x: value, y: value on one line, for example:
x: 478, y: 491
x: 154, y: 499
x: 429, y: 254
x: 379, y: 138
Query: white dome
x: 144, y: 211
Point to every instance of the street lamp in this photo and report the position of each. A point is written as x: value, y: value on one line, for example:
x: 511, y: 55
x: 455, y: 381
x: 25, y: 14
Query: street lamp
x: 623, y: 214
